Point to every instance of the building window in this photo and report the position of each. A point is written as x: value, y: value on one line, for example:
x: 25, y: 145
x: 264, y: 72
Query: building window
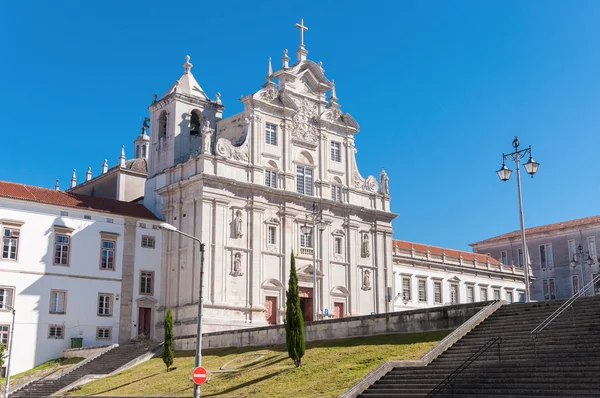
x: 64, y: 213
x: 575, y: 283
x: 148, y: 242
x: 549, y: 289
x: 592, y: 246
x: 271, y: 134
x: 406, y: 288
x: 147, y: 282
x: 336, y: 153
x: 6, y: 298
x: 437, y: 292
x: 496, y: 294
x: 546, y: 256
x: 454, y: 299
x: 62, y: 244
x: 270, y: 179
x: 56, y: 332
x: 509, y: 297
x: 336, y: 193
x: 306, y: 240
x: 103, y: 333
x: 108, y: 255
x: 87, y: 217
x: 504, y: 257
x: 58, y: 301
x: 110, y: 220
x: 142, y: 225
x: 338, y: 245
x: 521, y: 297
x: 162, y: 125
x: 272, y: 235
x: 521, y: 258
x: 422, y: 284
x: 304, y: 180
x: 572, y: 249
x: 470, y: 294
x: 4, y: 334
x: 483, y: 294
x: 105, y: 304
x: 10, y: 243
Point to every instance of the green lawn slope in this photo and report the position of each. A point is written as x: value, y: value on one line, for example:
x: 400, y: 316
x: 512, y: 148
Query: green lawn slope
x: 328, y: 369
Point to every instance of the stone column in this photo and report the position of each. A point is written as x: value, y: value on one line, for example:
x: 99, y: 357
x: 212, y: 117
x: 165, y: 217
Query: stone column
x: 219, y: 238
x: 256, y: 239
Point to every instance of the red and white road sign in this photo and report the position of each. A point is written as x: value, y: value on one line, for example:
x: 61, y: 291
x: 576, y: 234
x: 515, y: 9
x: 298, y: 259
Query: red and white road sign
x: 199, y: 375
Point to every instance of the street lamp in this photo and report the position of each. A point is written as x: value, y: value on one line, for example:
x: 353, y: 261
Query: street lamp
x: 578, y: 258
x: 504, y: 173
x: 10, y: 343
x: 316, y: 218
x: 168, y: 227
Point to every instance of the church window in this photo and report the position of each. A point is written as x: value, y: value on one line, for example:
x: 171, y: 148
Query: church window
x: 306, y: 240
x: 437, y: 292
x: 271, y: 134
x: 107, y: 260
x: 304, y: 180
x: 422, y: 285
x: 195, y: 123
x: 336, y: 193
x: 143, y: 151
x: 336, y: 154
x: 147, y: 282
x: 62, y: 244
x: 406, y: 288
x: 105, y: 304
x: 470, y: 294
x: 10, y: 243
x: 137, y: 151
x: 272, y: 235
x: 271, y: 178
x: 162, y: 125
x: 338, y: 245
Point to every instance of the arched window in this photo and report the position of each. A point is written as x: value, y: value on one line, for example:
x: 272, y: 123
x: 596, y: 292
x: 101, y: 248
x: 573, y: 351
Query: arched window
x: 137, y: 151
x: 304, y: 173
x: 144, y: 151
x: 336, y: 189
x: 271, y: 174
x: 195, y: 119
x: 162, y: 125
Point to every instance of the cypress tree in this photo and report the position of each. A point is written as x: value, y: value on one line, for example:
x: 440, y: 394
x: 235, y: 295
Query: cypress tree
x: 294, y: 320
x: 168, y: 354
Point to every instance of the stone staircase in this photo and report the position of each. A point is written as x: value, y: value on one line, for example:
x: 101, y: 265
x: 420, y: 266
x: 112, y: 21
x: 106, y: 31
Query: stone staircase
x: 104, y: 364
x: 565, y: 360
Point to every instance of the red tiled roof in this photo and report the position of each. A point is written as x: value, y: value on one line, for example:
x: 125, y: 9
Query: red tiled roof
x: 543, y: 228
x: 66, y: 199
x: 469, y: 256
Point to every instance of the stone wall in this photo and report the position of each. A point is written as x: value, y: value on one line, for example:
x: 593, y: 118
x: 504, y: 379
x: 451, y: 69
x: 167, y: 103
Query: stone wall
x: 84, y: 352
x: 416, y: 321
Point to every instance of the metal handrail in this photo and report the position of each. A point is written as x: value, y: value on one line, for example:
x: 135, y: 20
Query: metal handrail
x: 451, y: 378
x: 561, y: 309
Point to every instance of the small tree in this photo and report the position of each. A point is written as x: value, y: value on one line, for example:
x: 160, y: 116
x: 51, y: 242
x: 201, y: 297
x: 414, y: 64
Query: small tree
x: 167, y: 355
x: 294, y: 320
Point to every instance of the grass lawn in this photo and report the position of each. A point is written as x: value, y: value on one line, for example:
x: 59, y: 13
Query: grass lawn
x: 328, y: 368
x: 43, y: 370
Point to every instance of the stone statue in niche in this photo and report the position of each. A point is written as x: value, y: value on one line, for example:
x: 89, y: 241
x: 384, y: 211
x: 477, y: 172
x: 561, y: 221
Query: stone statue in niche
x: 364, y: 246
x: 236, y: 268
x: 206, y: 137
x: 237, y: 225
x: 366, y: 282
x: 385, y: 188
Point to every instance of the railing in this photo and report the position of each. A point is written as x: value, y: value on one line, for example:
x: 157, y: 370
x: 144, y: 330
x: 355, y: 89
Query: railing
x: 308, y: 251
x: 451, y: 378
x: 562, y: 308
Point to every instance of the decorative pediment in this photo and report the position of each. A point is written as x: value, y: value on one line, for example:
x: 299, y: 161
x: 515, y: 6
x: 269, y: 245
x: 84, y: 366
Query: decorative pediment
x: 340, y: 291
x: 272, y: 221
x: 308, y: 271
x: 454, y: 279
x: 272, y: 284
x: 147, y: 301
x: 338, y: 232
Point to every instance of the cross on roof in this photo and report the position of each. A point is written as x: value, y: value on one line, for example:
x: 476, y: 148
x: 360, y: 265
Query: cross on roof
x: 302, y: 29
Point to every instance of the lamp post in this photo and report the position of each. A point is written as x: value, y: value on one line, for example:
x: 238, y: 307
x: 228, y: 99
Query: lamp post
x: 198, y: 361
x: 10, y: 343
x: 577, y: 258
x: 504, y: 173
x: 316, y: 218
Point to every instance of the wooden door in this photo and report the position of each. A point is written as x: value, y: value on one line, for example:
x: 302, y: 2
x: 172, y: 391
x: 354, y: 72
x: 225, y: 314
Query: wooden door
x: 145, y: 321
x: 271, y: 306
x: 338, y: 310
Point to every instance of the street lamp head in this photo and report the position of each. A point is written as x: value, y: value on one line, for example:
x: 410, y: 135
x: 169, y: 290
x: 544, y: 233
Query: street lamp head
x: 504, y: 172
x: 321, y: 225
x: 579, y: 248
x: 573, y: 262
x: 167, y: 227
x: 531, y: 166
x: 589, y: 260
x: 305, y: 229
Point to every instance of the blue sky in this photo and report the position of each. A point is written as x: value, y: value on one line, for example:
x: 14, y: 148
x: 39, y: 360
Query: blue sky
x: 439, y: 88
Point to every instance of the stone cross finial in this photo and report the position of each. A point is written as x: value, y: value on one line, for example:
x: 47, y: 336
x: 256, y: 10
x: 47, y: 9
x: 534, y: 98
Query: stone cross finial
x: 122, y: 157
x: 73, y: 179
x: 105, y: 166
x: 302, y: 29
x: 88, y: 175
x: 56, y: 186
x: 187, y: 66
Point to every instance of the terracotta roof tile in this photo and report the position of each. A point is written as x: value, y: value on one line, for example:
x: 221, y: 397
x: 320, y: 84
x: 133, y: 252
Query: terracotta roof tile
x: 543, y: 228
x: 469, y: 256
x: 66, y: 199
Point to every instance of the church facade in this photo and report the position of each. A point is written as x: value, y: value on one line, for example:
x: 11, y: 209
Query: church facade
x: 250, y: 185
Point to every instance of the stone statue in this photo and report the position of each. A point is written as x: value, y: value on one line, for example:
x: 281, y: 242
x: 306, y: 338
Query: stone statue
x: 237, y: 265
x: 364, y: 246
x: 206, y: 138
x: 385, y: 188
x: 366, y: 280
x: 237, y: 225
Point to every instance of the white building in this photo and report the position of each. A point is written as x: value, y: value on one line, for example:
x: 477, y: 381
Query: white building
x: 74, y: 266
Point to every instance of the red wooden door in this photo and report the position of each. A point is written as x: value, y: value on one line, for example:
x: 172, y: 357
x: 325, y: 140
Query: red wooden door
x: 145, y: 321
x: 338, y: 310
x: 271, y: 306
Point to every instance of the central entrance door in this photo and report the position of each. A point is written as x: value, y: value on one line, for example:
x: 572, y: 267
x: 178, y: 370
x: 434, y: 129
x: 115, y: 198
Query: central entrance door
x: 145, y: 321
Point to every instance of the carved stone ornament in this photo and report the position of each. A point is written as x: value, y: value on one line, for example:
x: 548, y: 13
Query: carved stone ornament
x: 364, y: 246
x: 269, y: 94
x: 333, y: 115
x: 366, y: 280
x: 371, y: 184
x: 236, y: 266
x: 304, y: 122
x: 359, y: 183
x: 226, y: 149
